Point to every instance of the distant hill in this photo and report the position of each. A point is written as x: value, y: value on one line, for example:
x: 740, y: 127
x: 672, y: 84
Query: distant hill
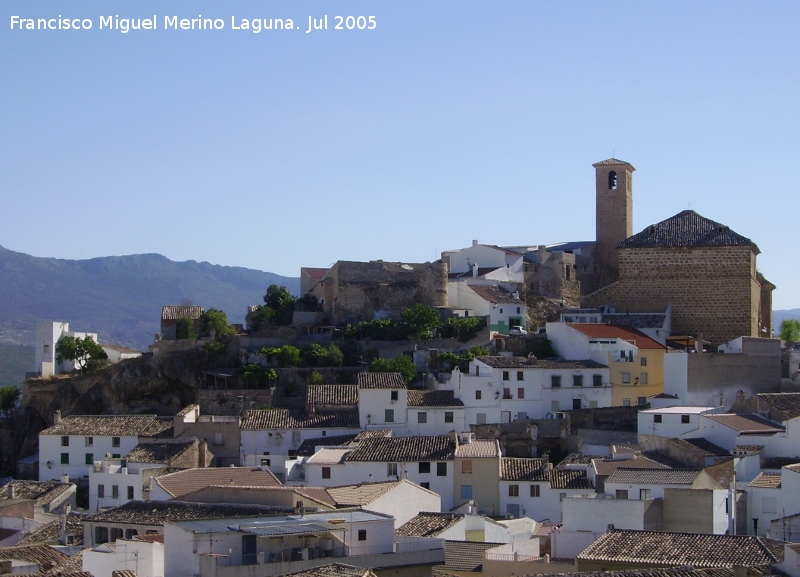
x: 15, y: 361
x: 119, y: 297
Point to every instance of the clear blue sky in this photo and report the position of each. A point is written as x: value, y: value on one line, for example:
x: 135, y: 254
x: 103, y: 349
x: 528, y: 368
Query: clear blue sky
x: 451, y: 121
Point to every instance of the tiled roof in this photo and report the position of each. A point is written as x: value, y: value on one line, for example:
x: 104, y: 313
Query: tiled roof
x: 71, y: 567
x: 43, y: 555
x: 334, y: 570
x: 468, y: 273
x: 686, y: 229
x: 627, y: 333
x: 465, y: 555
x: 124, y: 350
x: 328, y: 456
x: 42, y: 492
x: 373, y: 434
x: 159, y: 451
x: 766, y: 481
x: 653, y: 476
x: 708, y: 447
x: 189, y: 480
x: 657, y: 572
x: 186, y: 410
x: 150, y: 538
x: 307, y: 447
x: 299, y: 419
x: 698, y: 550
x: 362, y: 494
x: 404, y: 449
x: 332, y: 395
x: 381, y: 381
x: 533, y: 363
x: 749, y: 424
x: 496, y: 295
x: 111, y: 425
x: 51, y: 532
x: 788, y: 403
x: 315, y: 273
x: 433, y: 399
x: 479, y: 450
x: 570, y: 479
x: 748, y: 447
x: 174, y: 313
x: 515, y: 469
x: 605, y: 467
x: 157, y: 512
x: 428, y: 524
x: 612, y: 161
x: 639, y: 321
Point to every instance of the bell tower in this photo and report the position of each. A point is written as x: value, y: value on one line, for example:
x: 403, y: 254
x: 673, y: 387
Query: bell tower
x: 614, y: 195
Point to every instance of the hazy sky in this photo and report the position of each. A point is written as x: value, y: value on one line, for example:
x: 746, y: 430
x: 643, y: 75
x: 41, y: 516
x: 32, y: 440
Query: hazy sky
x: 450, y: 121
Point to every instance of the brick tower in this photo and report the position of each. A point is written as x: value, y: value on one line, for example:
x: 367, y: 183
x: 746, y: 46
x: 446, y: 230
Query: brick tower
x: 614, y: 189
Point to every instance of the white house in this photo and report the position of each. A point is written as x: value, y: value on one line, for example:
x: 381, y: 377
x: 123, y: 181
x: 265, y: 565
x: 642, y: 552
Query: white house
x: 74, y: 443
x: 764, y: 503
x: 675, y: 422
x: 402, y: 500
x: 47, y: 335
x: 502, y: 306
x: 142, y: 555
x: 484, y: 264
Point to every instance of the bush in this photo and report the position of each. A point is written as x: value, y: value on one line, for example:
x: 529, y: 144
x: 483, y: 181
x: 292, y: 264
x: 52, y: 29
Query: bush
x: 315, y: 378
x: 402, y: 364
x: 287, y: 355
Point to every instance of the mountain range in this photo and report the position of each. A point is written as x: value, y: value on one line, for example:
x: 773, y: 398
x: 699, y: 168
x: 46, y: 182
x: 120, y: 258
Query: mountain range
x: 119, y: 297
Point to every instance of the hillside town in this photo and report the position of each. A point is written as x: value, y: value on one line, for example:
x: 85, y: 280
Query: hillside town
x: 616, y: 406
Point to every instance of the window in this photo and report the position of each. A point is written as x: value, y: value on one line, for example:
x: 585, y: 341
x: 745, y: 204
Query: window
x: 612, y: 180
x: 425, y: 485
x: 555, y: 381
x: 644, y: 494
x: 441, y: 469
x: 535, y: 491
x: 506, y: 393
x: 505, y: 375
x: 326, y: 472
x: 480, y: 418
x: 130, y: 492
x: 684, y: 419
x: 520, y: 375
x: 448, y: 416
x: 218, y: 440
x: 324, y: 433
x: 65, y: 458
x: 115, y: 491
x: 89, y: 458
x: 466, y: 466
x: 626, y: 402
x: 362, y: 534
x: 641, y: 401
x: 424, y: 467
x: 466, y: 491
x: 643, y: 361
x: 622, y: 493
x: 513, y: 490
x: 65, y: 441
x: 115, y: 441
x: 657, y: 418
x: 130, y: 533
x: 388, y: 416
x: 577, y: 380
x: 89, y: 441
x: 391, y: 469
x: 266, y: 462
x: 520, y: 393
x: 101, y: 491
x: 626, y: 377
x: 597, y: 380
x: 642, y: 378
x: 394, y: 395
x: 115, y: 456
x: 477, y: 395
x: 116, y: 533
x: 100, y: 535
x: 422, y: 417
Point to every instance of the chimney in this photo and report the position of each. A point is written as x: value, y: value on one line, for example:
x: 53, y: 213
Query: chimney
x: 698, y: 343
x: 65, y: 478
x: 610, y: 527
x: 202, y: 448
x: 57, y: 417
x: 474, y: 270
x: 474, y: 243
x: 11, y: 491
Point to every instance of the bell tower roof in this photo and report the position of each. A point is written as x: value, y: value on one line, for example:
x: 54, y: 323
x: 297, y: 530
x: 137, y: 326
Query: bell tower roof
x: 613, y: 162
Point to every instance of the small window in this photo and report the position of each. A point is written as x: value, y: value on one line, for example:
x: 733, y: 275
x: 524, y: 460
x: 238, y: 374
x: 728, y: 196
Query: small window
x: 89, y: 458
x: 448, y: 416
x: 218, y: 440
x: 130, y: 492
x: 326, y: 472
x: 115, y: 441
x: 466, y: 466
x: 506, y: 393
x: 115, y: 456
x: 577, y: 380
x: 641, y: 401
x: 684, y: 419
x: 324, y: 433
x: 513, y: 490
x: 425, y: 485
x: 115, y: 491
x: 362, y: 534
x: 477, y: 395
x: 520, y: 393
x: 612, y: 180
x: 519, y: 310
x: 466, y: 491
x: 597, y: 380
x: 626, y: 377
x: 535, y: 491
x: 391, y: 469
x: 555, y: 381
x: 643, y: 361
x: 422, y: 417
x: 394, y: 395
x: 441, y: 469
x: 388, y: 416
x: 424, y: 468
x: 520, y: 375
x: 65, y: 441
x: 505, y: 375
x: 100, y: 535
x: 657, y: 418
x: 642, y: 378
x: 644, y: 494
x: 65, y: 458
x: 131, y: 533
x: 626, y: 402
x: 622, y: 493
x: 101, y: 491
x: 89, y: 441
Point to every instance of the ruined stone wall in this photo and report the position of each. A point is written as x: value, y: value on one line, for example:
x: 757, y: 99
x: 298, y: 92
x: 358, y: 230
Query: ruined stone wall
x: 713, y: 291
x: 554, y: 278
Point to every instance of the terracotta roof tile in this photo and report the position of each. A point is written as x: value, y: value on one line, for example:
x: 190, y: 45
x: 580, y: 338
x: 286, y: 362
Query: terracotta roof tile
x: 174, y: 313
x: 496, y: 295
x: 404, y: 449
x: 786, y: 403
x: 612, y: 162
x: 111, y: 425
x: 334, y: 570
x: 749, y: 424
x: 686, y: 229
x: 332, y: 395
x: 361, y: 494
x: 428, y: 524
x: 433, y: 399
x: 766, y: 481
x: 306, y: 448
x: 299, y: 419
x: 532, y: 363
x: 381, y: 381
x: 329, y: 456
x: 653, y: 476
x: 465, y: 555
x: 42, y: 492
x: 156, y: 513
x: 605, y: 467
x: 516, y: 469
x: 479, y: 450
x: 159, y: 451
x: 50, y: 533
x: 43, y: 555
x: 189, y: 480
x: 627, y: 333
x: 570, y: 479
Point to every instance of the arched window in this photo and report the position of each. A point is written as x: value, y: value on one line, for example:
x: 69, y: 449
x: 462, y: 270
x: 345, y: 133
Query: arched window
x: 116, y: 533
x: 100, y: 535
x: 612, y: 180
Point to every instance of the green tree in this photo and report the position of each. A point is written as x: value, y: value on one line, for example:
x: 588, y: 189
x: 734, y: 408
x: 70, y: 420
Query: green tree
x: 315, y: 378
x: 402, y: 364
x: 184, y: 329
x: 282, y: 303
x: 790, y: 330
x: 80, y: 350
x: 260, y: 317
x: 421, y: 319
x: 217, y: 321
x: 9, y: 396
